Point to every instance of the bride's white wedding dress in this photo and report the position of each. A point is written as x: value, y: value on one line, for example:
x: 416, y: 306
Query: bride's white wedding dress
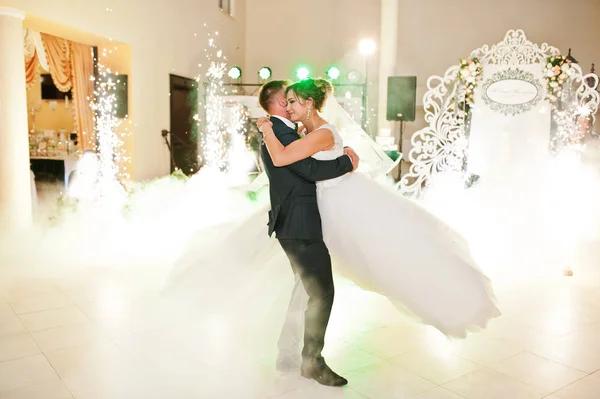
x: 379, y: 239
x: 389, y: 244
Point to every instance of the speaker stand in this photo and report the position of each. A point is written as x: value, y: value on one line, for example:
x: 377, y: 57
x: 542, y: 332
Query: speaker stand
x: 400, y: 135
x: 400, y: 138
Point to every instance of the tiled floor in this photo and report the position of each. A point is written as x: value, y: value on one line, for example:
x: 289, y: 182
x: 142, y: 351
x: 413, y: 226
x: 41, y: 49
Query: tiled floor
x: 98, y: 336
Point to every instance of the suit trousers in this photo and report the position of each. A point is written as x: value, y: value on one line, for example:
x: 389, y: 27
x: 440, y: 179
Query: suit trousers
x: 311, y: 261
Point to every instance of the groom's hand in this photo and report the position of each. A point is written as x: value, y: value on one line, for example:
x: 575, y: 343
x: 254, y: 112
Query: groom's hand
x: 353, y: 157
x: 302, y: 130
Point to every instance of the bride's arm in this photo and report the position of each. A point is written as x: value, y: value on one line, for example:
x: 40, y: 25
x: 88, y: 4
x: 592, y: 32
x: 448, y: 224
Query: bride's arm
x: 319, y: 140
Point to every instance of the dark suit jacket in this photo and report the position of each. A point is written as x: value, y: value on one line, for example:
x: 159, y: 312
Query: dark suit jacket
x: 294, y: 213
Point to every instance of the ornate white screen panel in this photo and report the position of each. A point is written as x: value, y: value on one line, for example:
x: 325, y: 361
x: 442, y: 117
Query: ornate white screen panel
x: 513, y: 86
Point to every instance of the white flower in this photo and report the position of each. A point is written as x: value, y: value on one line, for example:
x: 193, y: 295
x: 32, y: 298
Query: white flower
x: 565, y: 67
x: 553, y: 84
x: 550, y: 73
x: 549, y: 65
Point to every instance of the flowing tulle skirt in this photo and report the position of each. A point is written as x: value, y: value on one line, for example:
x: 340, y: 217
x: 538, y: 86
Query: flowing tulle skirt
x: 391, y: 245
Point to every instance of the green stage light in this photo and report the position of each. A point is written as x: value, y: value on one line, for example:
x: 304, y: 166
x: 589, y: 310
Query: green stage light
x: 333, y: 73
x: 302, y: 73
x: 264, y: 73
x: 234, y: 72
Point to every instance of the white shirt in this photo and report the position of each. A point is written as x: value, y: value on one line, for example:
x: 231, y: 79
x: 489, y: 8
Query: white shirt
x: 286, y: 121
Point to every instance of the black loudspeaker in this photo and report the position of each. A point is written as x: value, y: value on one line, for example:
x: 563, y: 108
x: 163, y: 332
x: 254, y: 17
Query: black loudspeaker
x: 401, y: 98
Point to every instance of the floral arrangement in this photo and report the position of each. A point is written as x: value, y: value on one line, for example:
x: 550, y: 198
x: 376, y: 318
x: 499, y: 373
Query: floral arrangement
x: 557, y: 71
x: 470, y: 74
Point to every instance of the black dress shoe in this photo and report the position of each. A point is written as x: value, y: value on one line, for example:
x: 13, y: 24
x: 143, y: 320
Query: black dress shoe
x: 319, y: 371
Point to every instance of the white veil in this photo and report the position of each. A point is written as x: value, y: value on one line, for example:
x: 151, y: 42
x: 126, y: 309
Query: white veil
x: 373, y: 160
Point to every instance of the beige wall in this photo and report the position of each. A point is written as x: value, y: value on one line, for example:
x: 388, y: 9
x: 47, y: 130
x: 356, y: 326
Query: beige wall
x: 318, y: 33
x: 162, y: 40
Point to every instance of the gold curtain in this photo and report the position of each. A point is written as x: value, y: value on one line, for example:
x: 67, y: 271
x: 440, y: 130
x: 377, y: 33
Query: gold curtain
x: 72, y: 67
x: 31, y: 68
x: 58, y: 54
x: 31, y: 57
x: 82, y: 62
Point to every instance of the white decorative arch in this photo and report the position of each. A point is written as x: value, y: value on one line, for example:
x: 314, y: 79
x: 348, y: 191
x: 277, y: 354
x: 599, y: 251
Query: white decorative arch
x: 442, y: 146
x: 515, y: 49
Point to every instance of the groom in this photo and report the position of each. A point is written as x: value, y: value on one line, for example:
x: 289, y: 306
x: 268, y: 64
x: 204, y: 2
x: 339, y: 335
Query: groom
x: 294, y: 217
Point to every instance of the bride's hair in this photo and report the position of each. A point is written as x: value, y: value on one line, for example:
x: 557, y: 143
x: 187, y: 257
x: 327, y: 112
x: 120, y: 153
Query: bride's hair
x: 317, y: 89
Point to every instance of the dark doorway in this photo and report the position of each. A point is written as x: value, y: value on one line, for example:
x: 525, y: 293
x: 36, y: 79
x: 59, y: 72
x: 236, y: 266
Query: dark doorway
x: 184, y: 128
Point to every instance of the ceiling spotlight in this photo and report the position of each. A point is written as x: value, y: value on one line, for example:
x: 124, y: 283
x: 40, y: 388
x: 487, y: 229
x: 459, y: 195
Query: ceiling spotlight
x: 333, y: 73
x: 264, y: 73
x: 302, y: 73
x: 353, y: 76
x: 235, y: 72
x: 367, y: 46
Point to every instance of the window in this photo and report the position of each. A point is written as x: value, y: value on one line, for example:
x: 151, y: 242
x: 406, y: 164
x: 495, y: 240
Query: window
x: 226, y: 6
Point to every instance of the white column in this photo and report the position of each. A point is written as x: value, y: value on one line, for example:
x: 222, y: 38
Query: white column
x: 15, y: 189
x: 388, y: 49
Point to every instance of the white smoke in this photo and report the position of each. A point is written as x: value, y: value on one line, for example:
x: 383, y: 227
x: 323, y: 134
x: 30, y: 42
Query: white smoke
x: 528, y: 225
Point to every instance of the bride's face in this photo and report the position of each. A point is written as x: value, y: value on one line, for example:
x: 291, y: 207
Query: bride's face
x: 297, y: 107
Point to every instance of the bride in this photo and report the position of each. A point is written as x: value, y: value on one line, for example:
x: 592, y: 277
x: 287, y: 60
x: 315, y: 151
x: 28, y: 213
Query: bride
x: 382, y: 241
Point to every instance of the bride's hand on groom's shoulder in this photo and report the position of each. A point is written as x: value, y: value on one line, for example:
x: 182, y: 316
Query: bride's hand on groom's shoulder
x: 353, y: 157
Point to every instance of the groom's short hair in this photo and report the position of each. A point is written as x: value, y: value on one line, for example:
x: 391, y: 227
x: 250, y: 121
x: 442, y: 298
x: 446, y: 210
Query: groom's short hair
x: 266, y: 95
